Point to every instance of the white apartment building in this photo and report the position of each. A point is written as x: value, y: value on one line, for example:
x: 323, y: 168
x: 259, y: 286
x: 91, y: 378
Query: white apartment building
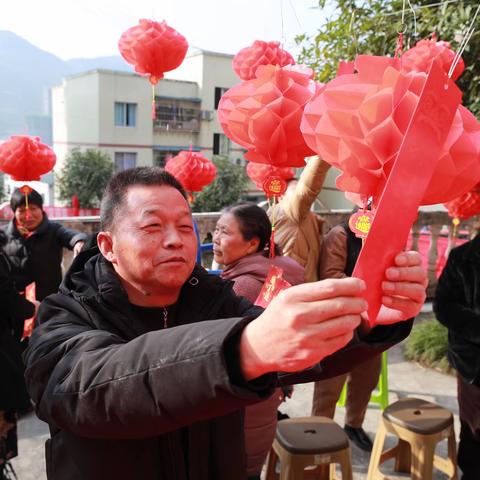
x: 111, y: 111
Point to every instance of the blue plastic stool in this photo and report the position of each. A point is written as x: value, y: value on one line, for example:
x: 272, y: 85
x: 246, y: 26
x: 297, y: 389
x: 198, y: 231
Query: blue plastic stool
x: 380, y: 394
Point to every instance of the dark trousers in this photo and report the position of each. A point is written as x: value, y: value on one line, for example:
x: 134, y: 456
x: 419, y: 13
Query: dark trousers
x: 469, y: 446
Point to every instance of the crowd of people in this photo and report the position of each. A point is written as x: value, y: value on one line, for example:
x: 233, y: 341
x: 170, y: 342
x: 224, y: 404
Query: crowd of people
x: 146, y: 366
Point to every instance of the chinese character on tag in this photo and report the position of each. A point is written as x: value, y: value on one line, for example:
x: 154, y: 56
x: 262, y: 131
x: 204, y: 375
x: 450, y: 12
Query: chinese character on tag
x: 274, y: 284
x: 360, y: 223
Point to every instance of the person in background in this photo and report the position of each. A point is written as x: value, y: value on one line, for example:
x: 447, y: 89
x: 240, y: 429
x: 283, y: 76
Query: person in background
x: 142, y: 363
x: 457, y: 306
x: 340, y: 251
x: 14, y: 309
x: 35, y: 244
x: 241, y: 242
x: 298, y: 230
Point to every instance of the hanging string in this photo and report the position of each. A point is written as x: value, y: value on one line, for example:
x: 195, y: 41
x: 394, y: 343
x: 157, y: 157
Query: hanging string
x: 295, y: 15
x: 463, y: 44
x: 432, y: 5
x: 414, y: 19
x: 154, y: 110
x: 282, y: 40
x: 402, y: 25
x: 352, y: 33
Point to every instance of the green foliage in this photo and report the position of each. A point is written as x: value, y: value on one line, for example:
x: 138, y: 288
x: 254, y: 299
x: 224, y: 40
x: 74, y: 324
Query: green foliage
x: 85, y: 174
x: 427, y: 344
x: 226, y: 189
x: 370, y: 27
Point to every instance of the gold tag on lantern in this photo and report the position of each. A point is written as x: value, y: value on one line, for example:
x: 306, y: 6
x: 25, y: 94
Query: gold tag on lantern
x: 360, y: 223
x: 274, y: 186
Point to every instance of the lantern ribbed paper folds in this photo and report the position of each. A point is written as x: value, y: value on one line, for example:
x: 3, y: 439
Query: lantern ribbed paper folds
x: 358, y: 121
x: 247, y: 60
x: 259, y: 172
x: 26, y: 158
x: 263, y: 115
x: 192, y: 170
x: 153, y: 48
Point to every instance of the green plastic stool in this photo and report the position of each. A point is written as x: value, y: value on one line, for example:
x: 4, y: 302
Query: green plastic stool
x: 380, y: 394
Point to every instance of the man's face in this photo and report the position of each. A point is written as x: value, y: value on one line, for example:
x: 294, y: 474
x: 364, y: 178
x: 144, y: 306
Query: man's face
x: 153, y: 243
x: 29, y: 218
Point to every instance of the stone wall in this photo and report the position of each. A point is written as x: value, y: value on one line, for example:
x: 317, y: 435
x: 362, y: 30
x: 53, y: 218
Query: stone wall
x: 436, y: 223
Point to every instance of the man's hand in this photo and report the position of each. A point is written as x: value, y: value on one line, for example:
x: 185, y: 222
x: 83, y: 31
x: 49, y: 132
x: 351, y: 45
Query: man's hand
x: 301, y: 326
x: 77, y: 247
x: 404, y: 289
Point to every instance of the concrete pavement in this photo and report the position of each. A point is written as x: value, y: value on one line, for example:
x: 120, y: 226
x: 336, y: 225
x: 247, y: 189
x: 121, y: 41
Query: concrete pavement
x: 405, y: 379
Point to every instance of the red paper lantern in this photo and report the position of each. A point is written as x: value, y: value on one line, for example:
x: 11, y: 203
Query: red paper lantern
x: 25, y: 158
x: 358, y: 122
x: 465, y: 206
x: 153, y: 48
x: 248, y: 59
x: 420, y: 57
x: 263, y: 115
x: 259, y: 172
x: 192, y: 170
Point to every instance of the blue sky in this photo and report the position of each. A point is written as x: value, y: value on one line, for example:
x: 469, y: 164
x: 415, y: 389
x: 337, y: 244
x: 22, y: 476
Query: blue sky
x: 90, y: 28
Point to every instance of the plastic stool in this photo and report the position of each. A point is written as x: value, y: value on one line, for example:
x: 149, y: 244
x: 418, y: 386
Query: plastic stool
x: 380, y: 394
x: 316, y: 442
x: 419, y: 426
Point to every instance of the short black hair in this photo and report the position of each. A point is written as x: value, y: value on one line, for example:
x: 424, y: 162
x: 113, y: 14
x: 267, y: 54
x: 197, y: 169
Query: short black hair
x: 19, y: 199
x: 117, y: 187
x: 253, y: 222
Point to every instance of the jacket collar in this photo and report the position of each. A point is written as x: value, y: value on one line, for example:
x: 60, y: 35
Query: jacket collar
x: 472, y: 251
x: 92, y: 280
x: 40, y: 230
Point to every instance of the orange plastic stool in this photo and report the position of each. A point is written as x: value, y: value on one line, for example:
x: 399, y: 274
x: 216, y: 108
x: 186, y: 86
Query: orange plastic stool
x: 419, y: 426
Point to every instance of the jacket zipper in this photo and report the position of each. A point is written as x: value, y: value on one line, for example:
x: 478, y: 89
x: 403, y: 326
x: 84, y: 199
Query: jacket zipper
x: 165, y: 317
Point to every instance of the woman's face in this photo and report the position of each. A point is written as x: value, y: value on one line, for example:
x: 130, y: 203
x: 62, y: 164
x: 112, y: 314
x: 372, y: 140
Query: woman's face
x: 228, y: 242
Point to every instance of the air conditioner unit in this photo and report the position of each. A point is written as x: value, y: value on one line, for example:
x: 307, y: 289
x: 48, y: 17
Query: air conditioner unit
x: 206, y: 115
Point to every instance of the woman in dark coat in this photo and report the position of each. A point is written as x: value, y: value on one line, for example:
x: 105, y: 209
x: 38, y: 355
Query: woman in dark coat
x: 13, y: 395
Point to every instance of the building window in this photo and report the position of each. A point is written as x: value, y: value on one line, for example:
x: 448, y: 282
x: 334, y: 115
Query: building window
x: 125, y: 114
x: 125, y: 160
x: 221, y: 144
x: 219, y: 91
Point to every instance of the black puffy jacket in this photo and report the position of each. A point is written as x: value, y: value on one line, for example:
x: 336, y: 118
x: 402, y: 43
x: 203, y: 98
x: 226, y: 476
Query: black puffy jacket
x: 457, y: 306
x: 14, y: 309
x: 38, y: 258
x: 124, y: 404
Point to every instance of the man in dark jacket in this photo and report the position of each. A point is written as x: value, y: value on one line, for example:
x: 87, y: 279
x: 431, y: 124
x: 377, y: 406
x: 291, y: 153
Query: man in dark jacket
x: 457, y: 306
x: 143, y: 363
x: 35, y: 244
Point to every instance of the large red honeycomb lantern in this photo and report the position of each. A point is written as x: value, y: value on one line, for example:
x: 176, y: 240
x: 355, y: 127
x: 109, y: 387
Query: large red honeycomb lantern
x: 153, y: 48
x: 26, y: 158
x: 193, y: 170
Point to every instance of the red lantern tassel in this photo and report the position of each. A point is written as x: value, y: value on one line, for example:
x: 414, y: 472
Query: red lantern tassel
x: 27, y: 213
x: 154, y: 110
x: 272, y: 243
x: 272, y: 236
